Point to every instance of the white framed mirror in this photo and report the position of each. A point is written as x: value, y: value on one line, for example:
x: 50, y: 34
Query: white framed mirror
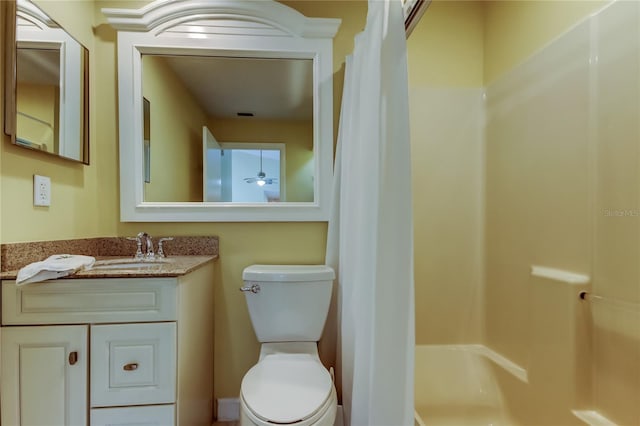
x: 238, y: 72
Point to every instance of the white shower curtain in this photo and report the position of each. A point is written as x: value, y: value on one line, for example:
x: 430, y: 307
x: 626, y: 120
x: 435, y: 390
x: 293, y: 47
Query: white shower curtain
x: 370, y: 241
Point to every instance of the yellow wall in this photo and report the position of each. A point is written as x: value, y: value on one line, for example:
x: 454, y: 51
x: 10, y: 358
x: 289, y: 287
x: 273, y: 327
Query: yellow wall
x: 514, y: 30
x: 176, y: 120
x: 445, y: 90
x: 446, y: 47
x: 296, y: 134
x: 81, y: 206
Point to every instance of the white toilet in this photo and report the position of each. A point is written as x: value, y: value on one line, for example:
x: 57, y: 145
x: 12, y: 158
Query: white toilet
x: 288, y: 305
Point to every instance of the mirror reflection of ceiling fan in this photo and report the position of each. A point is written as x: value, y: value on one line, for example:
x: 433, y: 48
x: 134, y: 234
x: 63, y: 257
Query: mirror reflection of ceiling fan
x: 261, y: 178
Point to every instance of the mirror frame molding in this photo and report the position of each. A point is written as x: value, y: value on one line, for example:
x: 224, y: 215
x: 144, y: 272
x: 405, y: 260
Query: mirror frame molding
x: 10, y: 77
x: 261, y: 29
x: 10, y: 60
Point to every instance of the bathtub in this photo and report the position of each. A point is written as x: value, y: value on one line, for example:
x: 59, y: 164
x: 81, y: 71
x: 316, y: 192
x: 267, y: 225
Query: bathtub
x: 459, y: 385
x: 471, y: 385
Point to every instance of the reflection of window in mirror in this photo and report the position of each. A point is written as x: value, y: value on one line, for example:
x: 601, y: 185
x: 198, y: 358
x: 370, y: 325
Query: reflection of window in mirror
x: 146, y: 119
x: 255, y: 175
x: 249, y: 172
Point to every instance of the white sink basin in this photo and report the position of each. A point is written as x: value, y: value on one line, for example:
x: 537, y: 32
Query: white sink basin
x: 130, y: 263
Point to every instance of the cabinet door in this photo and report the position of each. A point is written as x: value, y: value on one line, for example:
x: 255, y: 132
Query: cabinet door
x: 44, y: 375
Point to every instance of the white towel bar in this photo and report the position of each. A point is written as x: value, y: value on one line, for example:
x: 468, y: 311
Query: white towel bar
x: 559, y: 275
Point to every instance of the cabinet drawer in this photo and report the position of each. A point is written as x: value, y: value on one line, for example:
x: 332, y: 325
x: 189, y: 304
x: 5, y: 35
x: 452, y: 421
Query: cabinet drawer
x: 77, y: 301
x: 133, y: 364
x: 155, y: 415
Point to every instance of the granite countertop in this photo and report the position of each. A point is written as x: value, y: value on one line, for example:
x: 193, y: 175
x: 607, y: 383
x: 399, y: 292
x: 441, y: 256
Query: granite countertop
x: 173, y: 266
x: 184, y: 254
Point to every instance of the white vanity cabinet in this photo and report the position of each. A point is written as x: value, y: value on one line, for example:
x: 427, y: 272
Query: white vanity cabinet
x: 109, y: 351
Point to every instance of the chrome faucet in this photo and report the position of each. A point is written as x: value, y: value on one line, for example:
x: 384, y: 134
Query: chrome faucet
x: 147, y: 240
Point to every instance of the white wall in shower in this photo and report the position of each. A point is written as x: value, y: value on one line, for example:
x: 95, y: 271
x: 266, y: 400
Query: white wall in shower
x: 616, y: 188
x: 557, y: 175
x: 446, y: 115
x: 448, y: 186
x: 537, y: 199
x: 563, y: 190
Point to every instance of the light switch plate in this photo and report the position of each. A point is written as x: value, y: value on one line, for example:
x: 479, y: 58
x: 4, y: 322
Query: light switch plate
x: 41, y: 191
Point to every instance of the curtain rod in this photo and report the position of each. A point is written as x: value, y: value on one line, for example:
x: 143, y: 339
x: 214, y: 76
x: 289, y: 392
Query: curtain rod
x: 413, y: 11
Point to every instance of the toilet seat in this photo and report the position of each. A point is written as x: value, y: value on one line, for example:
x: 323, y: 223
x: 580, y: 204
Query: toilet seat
x: 286, y: 388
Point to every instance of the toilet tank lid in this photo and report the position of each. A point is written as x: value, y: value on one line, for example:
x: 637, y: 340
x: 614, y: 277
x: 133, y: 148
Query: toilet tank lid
x: 288, y: 273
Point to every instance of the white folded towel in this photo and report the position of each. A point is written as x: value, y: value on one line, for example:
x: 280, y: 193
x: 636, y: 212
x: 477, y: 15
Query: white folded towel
x: 56, y: 266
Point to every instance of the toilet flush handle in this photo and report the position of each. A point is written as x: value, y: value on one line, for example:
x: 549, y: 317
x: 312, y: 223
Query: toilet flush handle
x: 253, y: 288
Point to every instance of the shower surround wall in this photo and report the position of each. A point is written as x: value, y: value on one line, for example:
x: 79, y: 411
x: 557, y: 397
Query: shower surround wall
x: 563, y: 191
x: 559, y: 162
x: 538, y: 213
x: 449, y: 237
x: 446, y: 110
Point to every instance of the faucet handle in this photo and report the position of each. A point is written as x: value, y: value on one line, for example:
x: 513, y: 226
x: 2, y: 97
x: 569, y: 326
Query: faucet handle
x: 138, y: 241
x: 160, y: 247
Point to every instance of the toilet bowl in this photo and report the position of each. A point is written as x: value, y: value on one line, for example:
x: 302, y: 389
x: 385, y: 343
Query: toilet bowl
x: 288, y: 385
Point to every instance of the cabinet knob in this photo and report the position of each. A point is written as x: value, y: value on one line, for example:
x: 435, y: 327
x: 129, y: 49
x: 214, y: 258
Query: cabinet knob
x: 73, y: 357
x: 130, y: 367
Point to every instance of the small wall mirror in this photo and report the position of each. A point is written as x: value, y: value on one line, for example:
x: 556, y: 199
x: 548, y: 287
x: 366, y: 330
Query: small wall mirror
x: 226, y: 112
x: 46, y: 84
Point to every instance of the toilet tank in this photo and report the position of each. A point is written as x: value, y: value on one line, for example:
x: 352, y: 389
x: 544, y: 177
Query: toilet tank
x: 292, y: 302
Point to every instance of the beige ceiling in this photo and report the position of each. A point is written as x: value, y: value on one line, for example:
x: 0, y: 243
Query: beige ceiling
x: 267, y: 88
